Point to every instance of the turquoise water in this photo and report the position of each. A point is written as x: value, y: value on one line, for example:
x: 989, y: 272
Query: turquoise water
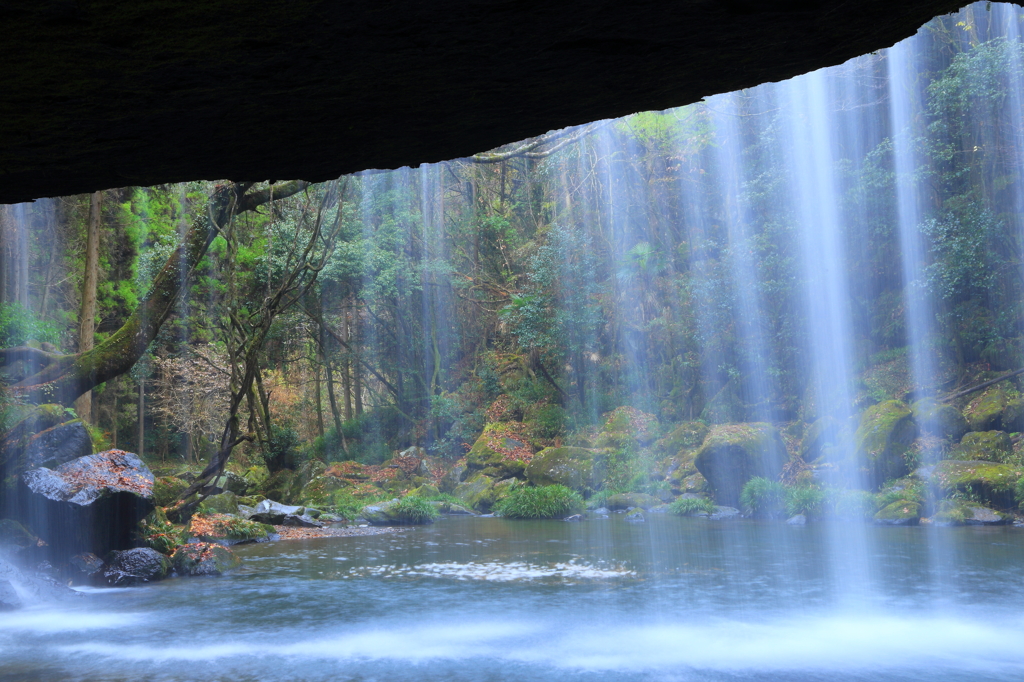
x: 489, y: 599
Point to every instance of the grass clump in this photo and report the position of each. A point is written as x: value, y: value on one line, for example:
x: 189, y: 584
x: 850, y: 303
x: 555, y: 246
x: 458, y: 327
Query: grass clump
x: 413, y: 509
x: 763, y: 498
x: 546, y: 502
x: 444, y: 501
x: 692, y: 506
x: 807, y: 500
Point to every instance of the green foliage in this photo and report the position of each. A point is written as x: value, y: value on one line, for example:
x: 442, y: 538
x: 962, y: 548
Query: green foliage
x: 763, y: 498
x: 18, y: 326
x: 1018, y: 492
x: 807, y: 500
x: 692, y: 506
x: 546, y: 502
x: 413, y: 509
x: 346, y: 504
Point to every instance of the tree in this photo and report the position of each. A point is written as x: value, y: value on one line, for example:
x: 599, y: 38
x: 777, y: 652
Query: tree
x: 87, y: 316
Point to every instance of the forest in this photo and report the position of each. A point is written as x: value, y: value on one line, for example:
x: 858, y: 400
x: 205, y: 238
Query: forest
x: 642, y: 289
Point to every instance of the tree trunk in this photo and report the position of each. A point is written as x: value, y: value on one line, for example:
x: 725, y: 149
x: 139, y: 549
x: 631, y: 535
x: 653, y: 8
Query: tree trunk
x: 318, y: 361
x: 141, y: 445
x: 346, y: 368
x: 87, y: 315
x: 65, y: 377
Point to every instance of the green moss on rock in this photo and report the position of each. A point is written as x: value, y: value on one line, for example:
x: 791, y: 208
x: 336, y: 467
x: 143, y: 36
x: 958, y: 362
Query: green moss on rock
x: 577, y: 468
x: 985, y: 412
x: 939, y: 419
x: 203, y: 558
x: 477, y: 492
x: 882, y: 439
x: 988, y: 482
x: 899, y: 513
x: 686, y: 436
x: 628, y: 500
x: 732, y: 454
x: 987, y: 446
x: 500, y: 451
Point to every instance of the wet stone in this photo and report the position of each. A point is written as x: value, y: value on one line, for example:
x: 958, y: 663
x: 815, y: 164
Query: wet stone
x: 139, y: 565
x: 9, y: 599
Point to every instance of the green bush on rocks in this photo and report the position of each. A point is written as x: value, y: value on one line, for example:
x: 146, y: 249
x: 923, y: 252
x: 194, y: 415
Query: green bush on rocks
x: 577, y: 468
x: 987, y: 446
x: 985, y: 412
x: 763, y: 498
x: 545, y: 502
x: 939, y: 419
x: 989, y: 482
x: 692, y: 506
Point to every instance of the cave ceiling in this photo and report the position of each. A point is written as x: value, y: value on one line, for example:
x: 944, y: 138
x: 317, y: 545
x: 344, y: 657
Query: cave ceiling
x: 99, y: 94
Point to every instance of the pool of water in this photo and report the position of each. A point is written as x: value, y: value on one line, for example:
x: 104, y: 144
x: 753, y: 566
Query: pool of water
x: 489, y: 599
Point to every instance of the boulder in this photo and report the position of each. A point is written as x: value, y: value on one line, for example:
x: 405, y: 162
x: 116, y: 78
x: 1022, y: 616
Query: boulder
x: 988, y: 446
x: 630, y: 500
x: 426, y: 490
x: 397, y: 513
x: 230, y: 482
x: 321, y: 489
x: 985, y: 411
x: 732, y: 454
x: 960, y: 513
x: 15, y: 535
x: 686, y: 436
x: 90, y: 504
x: 451, y: 479
x: 885, y: 433
x: 167, y: 490
x: 203, y: 558
x: 723, y: 513
x: 499, y: 452
x: 899, y: 513
x: 277, y: 514
x: 224, y: 503
x: 139, y: 565
x: 57, y: 445
x: 577, y: 468
x: 87, y: 567
x: 23, y: 438
x: 284, y: 485
x: 821, y: 434
x: 939, y: 419
x: 1012, y: 418
x: 228, y: 530
x: 9, y: 599
x: 990, y: 482
x: 635, y: 515
x: 798, y: 520
x: 477, y: 492
x: 575, y: 518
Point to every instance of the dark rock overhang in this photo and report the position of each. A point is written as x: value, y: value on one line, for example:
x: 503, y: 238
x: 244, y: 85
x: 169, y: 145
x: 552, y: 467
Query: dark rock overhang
x: 98, y: 94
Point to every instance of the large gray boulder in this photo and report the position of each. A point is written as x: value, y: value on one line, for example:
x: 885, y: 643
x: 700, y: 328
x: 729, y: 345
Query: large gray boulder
x: 9, y: 599
x: 90, y: 504
x: 277, y: 514
x: 732, y: 454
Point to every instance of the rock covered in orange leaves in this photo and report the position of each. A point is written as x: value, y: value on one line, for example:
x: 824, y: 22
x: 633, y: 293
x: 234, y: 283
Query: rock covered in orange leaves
x: 203, y: 558
x: 90, y: 504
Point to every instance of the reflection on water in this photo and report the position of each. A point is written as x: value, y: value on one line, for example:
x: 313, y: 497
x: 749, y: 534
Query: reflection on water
x: 487, y: 599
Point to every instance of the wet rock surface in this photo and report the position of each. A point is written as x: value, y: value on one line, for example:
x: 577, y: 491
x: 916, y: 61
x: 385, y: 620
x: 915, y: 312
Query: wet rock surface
x: 139, y: 565
x: 90, y: 504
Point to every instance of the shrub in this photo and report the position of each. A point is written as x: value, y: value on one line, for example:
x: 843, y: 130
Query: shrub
x: 1018, y: 492
x: 853, y: 504
x: 763, y: 498
x: 413, y: 509
x: 692, y: 506
x: 348, y: 505
x: 546, y: 502
x: 805, y: 499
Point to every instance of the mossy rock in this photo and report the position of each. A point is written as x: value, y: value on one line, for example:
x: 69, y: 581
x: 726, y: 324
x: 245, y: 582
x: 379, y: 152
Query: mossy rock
x: 622, y: 501
x: 284, y: 486
x: 224, y: 503
x: 167, y: 489
x: 732, y: 454
x: 985, y: 412
x: 257, y: 477
x: 409, y: 511
x: 725, y: 407
x: 13, y: 533
x: 1013, y: 415
x: 885, y: 433
x: 232, y: 482
x: 963, y: 513
x: 681, y: 468
x: 203, y: 558
x: 899, y: 513
x: 499, y: 453
x: 989, y: 482
x: 321, y: 489
x: 939, y: 419
x: 627, y: 425
x: 821, y: 434
x: 686, y: 436
x: 987, y: 446
x: 227, y: 529
x: 477, y: 492
x: 694, y: 483
x: 426, y: 490
x: 577, y: 468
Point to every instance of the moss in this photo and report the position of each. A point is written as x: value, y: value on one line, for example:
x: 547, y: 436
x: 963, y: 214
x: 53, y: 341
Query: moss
x: 724, y: 407
x: 256, y: 477
x: 284, y: 486
x: 626, y: 500
x: 988, y: 482
x: 321, y: 489
x: 203, y: 558
x: 900, y: 513
x: 577, y: 468
x: 984, y: 412
x: 732, y: 454
x: 167, y: 489
x: 539, y: 502
x: 224, y: 503
x: 1013, y: 415
x: 988, y: 446
x: 882, y: 439
x: 687, y: 435
x: 477, y: 492
x: 939, y: 419
x: 226, y: 529
x: 692, y: 506
x: 819, y: 435
x: 500, y: 451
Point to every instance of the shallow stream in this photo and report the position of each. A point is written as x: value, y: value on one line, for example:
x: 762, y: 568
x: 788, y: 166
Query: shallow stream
x: 490, y: 599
